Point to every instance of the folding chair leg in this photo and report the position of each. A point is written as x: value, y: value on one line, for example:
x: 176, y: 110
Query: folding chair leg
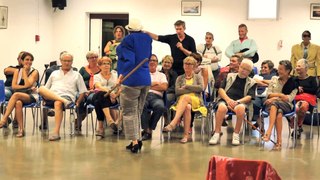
x: 161, y: 125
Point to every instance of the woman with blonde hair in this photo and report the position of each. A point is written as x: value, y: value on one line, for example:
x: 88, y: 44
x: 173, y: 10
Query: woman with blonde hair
x: 189, y: 87
x: 103, y: 82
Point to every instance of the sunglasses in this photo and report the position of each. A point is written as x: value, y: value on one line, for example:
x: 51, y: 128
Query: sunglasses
x: 305, y: 35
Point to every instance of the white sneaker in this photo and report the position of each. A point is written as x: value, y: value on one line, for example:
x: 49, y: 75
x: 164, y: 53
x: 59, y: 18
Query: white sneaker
x: 214, y: 139
x: 235, y: 139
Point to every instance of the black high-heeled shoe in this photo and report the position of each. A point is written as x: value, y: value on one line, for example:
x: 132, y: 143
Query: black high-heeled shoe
x: 135, y: 148
x: 129, y: 147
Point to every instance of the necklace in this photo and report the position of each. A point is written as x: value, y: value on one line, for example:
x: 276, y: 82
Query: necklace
x: 107, y: 75
x: 189, y: 77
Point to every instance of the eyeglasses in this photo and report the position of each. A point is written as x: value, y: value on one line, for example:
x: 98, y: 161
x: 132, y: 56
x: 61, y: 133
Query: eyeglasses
x: 93, y: 57
x: 167, y: 62
x: 67, y: 61
x: 154, y: 60
x: 305, y: 35
x: 104, y: 64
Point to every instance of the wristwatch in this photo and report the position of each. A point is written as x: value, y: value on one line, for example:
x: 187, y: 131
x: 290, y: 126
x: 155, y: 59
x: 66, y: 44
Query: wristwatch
x: 238, y: 102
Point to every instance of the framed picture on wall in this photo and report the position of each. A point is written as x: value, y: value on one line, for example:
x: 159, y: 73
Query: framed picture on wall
x: 191, y: 8
x: 315, y: 11
x: 3, y: 17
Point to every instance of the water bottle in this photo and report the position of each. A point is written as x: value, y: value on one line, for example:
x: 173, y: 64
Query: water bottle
x: 72, y: 118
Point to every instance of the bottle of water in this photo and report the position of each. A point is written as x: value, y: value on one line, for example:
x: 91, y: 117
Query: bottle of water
x: 72, y: 120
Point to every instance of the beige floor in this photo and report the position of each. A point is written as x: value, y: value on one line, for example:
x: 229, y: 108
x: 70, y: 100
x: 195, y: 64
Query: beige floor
x: 84, y: 157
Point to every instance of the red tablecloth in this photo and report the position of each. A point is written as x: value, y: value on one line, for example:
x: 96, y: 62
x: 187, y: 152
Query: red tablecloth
x: 226, y: 168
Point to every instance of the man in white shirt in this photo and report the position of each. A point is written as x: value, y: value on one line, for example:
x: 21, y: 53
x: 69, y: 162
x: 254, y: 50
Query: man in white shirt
x: 211, y: 54
x: 61, y: 89
x: 154, y: 101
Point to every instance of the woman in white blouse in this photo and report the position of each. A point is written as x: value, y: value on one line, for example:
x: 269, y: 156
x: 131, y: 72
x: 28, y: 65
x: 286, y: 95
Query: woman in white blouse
x: 103, y: 82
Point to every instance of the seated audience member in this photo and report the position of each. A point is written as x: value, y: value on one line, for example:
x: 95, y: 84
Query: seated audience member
x: 204, y: 72
x: 87, y: 72
x: 154, y: 100
x: 235, y: 94
x: 103, y: 82
x: 210, y: 54
x: 306, y: 96
x: 233, y: 67
x: 189, y: 87
x: 201, y: 69
x: 61, y: 89
x: 8, y: 72
x: 171, y: 75
x: 281, y: 92
x: 50, y: 112
x: 24, y: 85
x: 263, y: 79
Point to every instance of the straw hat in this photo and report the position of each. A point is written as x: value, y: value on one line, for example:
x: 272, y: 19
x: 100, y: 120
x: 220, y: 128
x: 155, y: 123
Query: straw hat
x: 134, y: 25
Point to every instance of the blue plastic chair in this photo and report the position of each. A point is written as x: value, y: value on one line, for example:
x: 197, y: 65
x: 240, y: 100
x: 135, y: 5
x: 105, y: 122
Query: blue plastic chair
x: 91, y: 106
x: 289, y: 115
x: 72, y: 110
x: 2, y: 97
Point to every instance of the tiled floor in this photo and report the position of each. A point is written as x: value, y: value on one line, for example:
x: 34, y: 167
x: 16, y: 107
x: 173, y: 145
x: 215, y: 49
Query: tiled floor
x: 85, y: 157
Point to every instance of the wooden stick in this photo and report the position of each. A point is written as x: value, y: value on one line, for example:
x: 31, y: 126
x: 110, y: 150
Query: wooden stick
x: 252, y: 126
x: 127, y: 76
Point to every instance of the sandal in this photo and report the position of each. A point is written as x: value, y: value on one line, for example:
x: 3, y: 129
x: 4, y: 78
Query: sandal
x: 266, y: 137
x: 277, y: 147
x: 169, y: 128
x: 20, y: 133
x: 2, y: 124
x: 184, y: 140
x: 54, y: 138
x: 100, y: 134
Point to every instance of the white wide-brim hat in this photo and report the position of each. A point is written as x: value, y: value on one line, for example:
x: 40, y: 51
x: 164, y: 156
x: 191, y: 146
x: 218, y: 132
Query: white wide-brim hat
x: 134, y: 25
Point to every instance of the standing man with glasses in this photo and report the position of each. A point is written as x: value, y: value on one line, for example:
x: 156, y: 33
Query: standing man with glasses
x: 310, y: 52
x: 181, y: 45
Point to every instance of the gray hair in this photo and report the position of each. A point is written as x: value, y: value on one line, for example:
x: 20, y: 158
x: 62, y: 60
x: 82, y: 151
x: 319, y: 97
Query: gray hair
x: 91, y: 53
x: 65, y: 54
x: 269, y: 64
x: 304, y: 61
x: 248, y: 62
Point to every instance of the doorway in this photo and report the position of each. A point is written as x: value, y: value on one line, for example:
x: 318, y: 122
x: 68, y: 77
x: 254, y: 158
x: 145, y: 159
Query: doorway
x: 101, y: 29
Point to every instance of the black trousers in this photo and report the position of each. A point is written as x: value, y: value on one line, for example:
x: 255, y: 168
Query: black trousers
x: 100, y: 102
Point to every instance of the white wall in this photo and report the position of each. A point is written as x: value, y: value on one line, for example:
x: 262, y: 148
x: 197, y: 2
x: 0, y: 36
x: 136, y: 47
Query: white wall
x: 25, y: 20
x: 68, y: 29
